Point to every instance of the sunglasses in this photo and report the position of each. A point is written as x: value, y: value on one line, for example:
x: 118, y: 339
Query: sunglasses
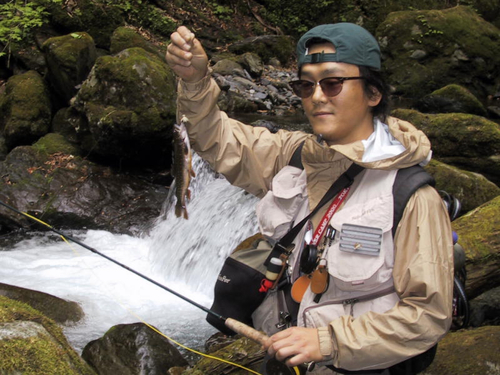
x: 331, y: 86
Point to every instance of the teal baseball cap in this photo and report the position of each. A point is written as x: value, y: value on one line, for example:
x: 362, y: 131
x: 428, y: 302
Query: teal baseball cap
x: 353, y: 45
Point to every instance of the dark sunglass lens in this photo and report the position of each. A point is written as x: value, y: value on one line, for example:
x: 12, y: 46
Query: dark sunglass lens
x: 302, y: 89
x: 331, y: 86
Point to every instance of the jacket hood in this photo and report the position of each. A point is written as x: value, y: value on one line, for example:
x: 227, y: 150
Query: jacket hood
x: 417, y: 149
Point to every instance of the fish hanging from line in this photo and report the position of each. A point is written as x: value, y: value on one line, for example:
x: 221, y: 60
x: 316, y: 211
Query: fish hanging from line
x: 183, y: 170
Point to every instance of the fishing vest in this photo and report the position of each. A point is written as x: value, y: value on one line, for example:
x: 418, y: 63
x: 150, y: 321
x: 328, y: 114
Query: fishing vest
x: 360, y: 279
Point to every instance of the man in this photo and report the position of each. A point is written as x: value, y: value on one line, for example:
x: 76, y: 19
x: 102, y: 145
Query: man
x: 381, y: 307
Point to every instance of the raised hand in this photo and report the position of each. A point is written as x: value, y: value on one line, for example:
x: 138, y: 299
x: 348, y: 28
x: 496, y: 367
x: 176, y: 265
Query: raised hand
x: 186, y: 56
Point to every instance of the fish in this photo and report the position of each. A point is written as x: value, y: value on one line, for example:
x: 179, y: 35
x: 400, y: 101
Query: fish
x: 183, y: 168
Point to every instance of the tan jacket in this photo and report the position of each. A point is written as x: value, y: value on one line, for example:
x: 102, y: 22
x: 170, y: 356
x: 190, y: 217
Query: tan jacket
x: 423, y: 267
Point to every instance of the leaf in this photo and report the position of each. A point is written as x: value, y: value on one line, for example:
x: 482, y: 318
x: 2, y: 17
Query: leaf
x: 76, y: 36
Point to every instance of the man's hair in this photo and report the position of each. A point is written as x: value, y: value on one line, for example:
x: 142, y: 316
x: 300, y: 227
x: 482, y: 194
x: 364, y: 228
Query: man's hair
x: 373, y: 84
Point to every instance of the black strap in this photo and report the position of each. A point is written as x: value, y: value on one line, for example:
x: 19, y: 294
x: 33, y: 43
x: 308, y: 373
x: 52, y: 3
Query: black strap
x: 345, y: 180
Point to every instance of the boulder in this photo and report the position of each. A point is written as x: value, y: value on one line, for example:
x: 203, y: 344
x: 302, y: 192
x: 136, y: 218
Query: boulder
x: 57, y: 309
x: 466, y: 141
x: 126, y: 37
x: 451, y: 99
x: 228, y: 67
x: 73, y: 193
x: 129, y: 104
x: 467, y: 352
x: 470, y: 188
x: 266, y: 46
x: 69, y: 59
x: 132, y: 349
x: 31, y: 343
x: 478, y: 233
x: 252, y: 63
x: 25, y: 109
x: 485, y: 309
x: 460, y: 47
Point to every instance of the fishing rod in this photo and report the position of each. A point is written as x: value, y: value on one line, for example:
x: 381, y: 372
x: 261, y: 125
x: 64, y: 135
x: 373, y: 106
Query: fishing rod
x: 271, y: 366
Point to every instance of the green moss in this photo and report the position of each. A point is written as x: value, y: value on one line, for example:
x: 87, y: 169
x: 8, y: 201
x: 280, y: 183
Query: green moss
x: 68, y: 47
x: 37, y: 355
x: 52, y: 143
x: 479, y: 231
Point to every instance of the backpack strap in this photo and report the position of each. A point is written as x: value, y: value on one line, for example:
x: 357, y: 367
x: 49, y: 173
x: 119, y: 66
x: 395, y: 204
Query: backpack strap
x: 408, y: 181
x: 296, y: 159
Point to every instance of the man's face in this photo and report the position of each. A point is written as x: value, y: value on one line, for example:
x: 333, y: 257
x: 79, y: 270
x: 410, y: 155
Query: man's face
x: 344, y: 118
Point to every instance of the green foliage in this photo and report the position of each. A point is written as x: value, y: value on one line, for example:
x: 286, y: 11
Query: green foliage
x: 18, y: 19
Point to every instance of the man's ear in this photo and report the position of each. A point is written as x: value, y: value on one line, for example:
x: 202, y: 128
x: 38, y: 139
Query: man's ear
x: 375, y: 96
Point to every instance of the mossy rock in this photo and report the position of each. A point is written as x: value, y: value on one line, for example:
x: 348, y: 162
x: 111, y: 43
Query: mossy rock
x: 466, y: 141
x: 470, y: 188
x: 460, y: 47
x: 451, y: 99
x: 479, y: 235
x: 25, y: 109
x: 228, y: 67
x: 129, y: 103
x: 126, y: 37
x: 31, y: 343
x: 267, y: 46
x: 98, y: 18
x: 243, y: 351
x: 70, y: 59
x: 468, y: 352
x: 56, y: 143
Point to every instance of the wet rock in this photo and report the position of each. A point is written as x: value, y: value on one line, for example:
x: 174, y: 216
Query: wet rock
x: 57, y: 309
x: 125, y: 37
x: 31, y: 343
x: 25, y: 109
x: 468, y: 352
x: 70, y: 192
x: 450, y: 99
x: 129, y: 104
x: 485, y: 309
x: 69, y: 59
x: 472, y: 189
x: 466, y: 141
x: 479, y: 236
x: 132, y: 349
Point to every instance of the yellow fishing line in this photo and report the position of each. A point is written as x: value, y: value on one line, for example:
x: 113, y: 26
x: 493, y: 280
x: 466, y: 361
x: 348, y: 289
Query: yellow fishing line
x: 143, y: 321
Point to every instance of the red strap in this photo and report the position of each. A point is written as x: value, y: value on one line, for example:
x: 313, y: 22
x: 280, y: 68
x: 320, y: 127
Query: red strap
x: 318, y: 233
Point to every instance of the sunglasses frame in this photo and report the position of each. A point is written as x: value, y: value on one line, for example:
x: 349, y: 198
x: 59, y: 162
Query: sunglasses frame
x: 318, y: 83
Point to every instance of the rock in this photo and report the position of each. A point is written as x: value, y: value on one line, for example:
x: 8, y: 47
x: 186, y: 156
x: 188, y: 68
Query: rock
x: 129, y: 103
x: 69, y: 59
x: 450, y: 99
x: 267, y: 47
x: 485, y: 309
x: 57, y: 309
x: 467, y: 352
x: 472, y: 189
x: 479, y: 235
x: 68, y: 122
x: 31, y: 343
x: 25, y: 109
x: 132, y: 349
x: 461, y: 47
x: 252, y: 63
x: 228, y: 67
x: 125, y: 37
x: 466, y: 141
x: 73, y: 193
x: 242, y: 351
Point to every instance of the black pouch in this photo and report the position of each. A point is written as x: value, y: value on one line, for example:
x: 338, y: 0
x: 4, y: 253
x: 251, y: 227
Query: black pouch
x: 236, y: 292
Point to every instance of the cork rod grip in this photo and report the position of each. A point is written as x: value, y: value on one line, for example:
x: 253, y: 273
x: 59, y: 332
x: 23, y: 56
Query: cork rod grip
x: 246, y: 331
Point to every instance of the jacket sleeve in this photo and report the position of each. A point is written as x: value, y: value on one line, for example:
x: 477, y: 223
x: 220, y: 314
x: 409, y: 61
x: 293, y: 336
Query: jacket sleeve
x: 247, y: 156
x: 423, y: 278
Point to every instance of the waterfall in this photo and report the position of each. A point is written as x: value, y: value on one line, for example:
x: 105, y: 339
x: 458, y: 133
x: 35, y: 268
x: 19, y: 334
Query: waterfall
x: 184, y: 255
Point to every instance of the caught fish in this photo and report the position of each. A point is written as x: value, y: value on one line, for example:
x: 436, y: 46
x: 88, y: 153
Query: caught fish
x: 183, y: 170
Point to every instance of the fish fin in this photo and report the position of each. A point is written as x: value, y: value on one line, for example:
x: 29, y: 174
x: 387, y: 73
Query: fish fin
x: 178, y: 211
x: 192, y: 173
x: 185, y: 214
x: 188, y: 194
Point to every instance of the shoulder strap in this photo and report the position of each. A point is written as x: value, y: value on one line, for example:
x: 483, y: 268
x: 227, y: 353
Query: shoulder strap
x: 296, y: 159
x: 408, y: 181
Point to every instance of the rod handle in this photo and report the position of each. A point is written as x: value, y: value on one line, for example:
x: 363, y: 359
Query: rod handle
x: 246, y: 331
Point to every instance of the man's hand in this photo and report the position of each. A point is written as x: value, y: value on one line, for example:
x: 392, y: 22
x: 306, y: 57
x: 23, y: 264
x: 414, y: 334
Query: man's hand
x: 186, y: 56
x: 295, y: 346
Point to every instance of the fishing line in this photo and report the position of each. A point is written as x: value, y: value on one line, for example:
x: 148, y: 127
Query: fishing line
x: 65, y: 238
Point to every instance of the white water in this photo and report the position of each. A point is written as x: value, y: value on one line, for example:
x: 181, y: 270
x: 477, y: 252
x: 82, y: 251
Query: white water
x: 184, y: 255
